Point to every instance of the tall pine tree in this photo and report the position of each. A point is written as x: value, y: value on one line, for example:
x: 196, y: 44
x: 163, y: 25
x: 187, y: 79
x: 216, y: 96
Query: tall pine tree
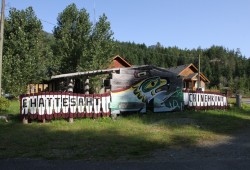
x: 26, y: 57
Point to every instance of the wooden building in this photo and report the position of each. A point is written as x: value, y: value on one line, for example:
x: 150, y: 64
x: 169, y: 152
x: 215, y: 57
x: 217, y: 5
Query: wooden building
x: 190, y: 75
x: 119, y: 62
x: 80, y: 80
x: 63, y: 83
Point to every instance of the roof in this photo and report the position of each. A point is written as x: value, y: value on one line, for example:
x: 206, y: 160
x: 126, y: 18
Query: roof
x: 191, y: 76
x: 120, y: 60
x: 106, y: 71
x: 180, y: 69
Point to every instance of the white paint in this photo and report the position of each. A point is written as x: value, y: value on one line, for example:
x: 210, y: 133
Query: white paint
x: 64, y: 102
x: 204, y: 99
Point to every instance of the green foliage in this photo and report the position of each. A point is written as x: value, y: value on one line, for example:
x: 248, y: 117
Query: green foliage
x: 80, y: 45
x: 71, y: 39
x: 30, y: 55
x: 26, y: 55
x: 101, y: 45
x: 223, y: 67
x: 4, y: 103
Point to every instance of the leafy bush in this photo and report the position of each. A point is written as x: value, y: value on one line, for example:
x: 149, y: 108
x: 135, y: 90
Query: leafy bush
x: 4, y: 103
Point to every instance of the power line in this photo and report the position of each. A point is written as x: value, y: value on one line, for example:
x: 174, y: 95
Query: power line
x: 48, y: 22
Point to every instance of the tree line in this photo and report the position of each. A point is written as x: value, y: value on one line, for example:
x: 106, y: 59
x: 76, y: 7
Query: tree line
x: 31, y: 55
x: 225, y: 68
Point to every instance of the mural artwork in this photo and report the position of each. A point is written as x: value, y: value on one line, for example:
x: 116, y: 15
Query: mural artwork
x: 152, y: 93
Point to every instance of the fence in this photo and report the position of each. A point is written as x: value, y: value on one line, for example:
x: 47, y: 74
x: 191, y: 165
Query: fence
x: 204, y: 100
x: 51, y: 105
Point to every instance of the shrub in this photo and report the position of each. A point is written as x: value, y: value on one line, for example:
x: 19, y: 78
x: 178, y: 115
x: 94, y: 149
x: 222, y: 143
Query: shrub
x: 4, y: 103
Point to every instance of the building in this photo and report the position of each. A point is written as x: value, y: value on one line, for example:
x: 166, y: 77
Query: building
x: 119, y: 62
x: 190, y: 76
x: 62, y: 83
x: 124, y: 89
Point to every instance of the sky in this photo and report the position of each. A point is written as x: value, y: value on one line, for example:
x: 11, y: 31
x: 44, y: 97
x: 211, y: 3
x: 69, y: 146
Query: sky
x: 186, y: 24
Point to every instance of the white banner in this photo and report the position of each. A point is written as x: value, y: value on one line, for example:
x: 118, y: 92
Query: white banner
x: 54, y: 103
x: 204, y: 100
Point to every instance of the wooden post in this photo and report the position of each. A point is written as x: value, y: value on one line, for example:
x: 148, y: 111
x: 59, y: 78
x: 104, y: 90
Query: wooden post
x: 25, y: 121
x: 238, y: 100
x: 71, y: 120
x: 86, y: 86
x: 70, y: 86
x: 199, y: 74
x: 1, y: 43
x: 70, y: 89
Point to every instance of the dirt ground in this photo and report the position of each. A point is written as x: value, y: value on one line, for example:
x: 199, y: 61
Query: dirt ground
x: 235, y: 146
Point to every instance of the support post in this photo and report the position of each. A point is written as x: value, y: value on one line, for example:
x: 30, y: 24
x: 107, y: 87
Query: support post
x: 199, y: 73
x: 25, y: 121
x: 71, y: 89
x: 1, y: 43
x: 71, y: 86
x: 71, y: 120
x: 238, y: 100
x: 86, y: 86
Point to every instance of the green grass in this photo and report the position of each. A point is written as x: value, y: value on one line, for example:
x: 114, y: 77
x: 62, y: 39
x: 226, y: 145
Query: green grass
x: 14, y: 108
x: 129, y: 137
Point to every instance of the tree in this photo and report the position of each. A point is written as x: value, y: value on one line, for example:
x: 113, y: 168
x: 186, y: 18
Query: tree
x: 72, y: 36
x: 101, y: 45
x: 26, y: 57
x: 80, y: 45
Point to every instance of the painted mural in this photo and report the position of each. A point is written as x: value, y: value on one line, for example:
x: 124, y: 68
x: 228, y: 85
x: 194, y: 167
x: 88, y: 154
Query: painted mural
x: 152, y: 93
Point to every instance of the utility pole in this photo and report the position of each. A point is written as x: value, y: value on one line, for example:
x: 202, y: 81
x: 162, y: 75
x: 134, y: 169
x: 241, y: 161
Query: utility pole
x: 1, y: 44
x: 199, y: 73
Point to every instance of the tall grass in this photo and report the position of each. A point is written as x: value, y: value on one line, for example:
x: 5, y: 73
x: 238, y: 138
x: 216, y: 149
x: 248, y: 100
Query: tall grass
x: 134, y: 136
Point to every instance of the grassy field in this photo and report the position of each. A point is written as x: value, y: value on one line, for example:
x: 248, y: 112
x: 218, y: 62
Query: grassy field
x: 128, y: 137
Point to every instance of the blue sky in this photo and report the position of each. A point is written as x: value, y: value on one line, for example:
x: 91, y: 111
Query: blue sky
x: 182, y: 23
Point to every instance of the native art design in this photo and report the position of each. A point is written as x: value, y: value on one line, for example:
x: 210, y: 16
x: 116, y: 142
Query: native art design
x: 152, y: 93
x: 146, y: 90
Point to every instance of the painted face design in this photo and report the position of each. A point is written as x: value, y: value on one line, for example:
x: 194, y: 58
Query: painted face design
x: 149, y: 88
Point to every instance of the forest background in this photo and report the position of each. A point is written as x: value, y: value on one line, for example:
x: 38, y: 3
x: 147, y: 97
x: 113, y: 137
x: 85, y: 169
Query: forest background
x: 31, y: 55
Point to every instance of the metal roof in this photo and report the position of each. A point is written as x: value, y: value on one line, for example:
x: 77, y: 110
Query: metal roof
x: 105, y: 71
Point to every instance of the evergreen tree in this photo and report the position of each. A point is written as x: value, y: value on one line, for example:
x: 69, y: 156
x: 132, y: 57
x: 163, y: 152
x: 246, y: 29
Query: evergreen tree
x: 101, y: 45
x: 26, y: 56
x: 80, y: 46
x: 72, y: 37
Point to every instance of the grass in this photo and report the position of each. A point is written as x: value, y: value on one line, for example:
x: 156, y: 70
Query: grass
x: 129, y: 137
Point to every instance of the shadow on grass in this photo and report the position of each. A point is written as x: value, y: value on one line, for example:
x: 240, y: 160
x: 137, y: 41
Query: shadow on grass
x: 217, y: 121
x: 56, y: 140
x: 131, y: 137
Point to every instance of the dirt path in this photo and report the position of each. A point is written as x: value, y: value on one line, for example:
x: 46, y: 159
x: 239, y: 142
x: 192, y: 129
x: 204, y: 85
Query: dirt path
x: 235, y: 146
